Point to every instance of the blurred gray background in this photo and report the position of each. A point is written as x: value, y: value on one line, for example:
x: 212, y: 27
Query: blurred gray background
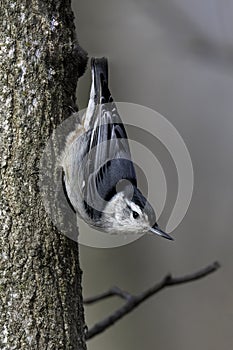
x: 176, y: 57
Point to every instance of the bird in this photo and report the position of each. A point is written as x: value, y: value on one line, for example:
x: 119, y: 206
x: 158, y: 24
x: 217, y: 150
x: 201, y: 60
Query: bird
x: 98, y: 174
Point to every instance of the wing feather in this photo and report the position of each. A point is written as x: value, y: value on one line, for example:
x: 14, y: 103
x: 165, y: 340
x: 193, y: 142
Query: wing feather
x: 108, y: 158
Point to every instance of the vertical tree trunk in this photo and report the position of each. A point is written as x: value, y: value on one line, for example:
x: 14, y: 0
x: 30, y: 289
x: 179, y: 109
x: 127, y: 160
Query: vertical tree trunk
x: 40, y: 278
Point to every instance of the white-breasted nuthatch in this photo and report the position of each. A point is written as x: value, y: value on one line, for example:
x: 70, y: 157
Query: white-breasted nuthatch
x: 99, y: 178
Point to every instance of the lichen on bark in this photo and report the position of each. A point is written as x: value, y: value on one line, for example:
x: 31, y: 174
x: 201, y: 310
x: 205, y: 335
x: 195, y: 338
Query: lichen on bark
x: 40, y: 278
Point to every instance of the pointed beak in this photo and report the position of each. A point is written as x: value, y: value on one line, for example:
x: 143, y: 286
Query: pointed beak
x: 157, y: 231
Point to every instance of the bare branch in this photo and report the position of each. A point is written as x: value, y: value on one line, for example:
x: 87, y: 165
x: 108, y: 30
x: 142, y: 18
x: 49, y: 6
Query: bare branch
x: 114, y: 291
x: 132, y: 301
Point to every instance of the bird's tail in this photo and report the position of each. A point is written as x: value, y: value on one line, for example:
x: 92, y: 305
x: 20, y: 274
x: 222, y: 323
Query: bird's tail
x: 100, y: 95
x: 99, y: 68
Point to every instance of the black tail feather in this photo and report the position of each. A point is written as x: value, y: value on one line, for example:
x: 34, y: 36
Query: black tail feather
x: 99, y: 67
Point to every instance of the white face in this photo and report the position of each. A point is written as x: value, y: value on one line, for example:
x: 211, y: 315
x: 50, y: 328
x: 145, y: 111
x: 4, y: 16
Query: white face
x: 126, y: 216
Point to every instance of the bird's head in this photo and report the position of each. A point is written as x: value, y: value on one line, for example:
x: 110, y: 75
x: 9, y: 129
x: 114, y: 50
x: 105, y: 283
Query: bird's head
x: 129, y: 211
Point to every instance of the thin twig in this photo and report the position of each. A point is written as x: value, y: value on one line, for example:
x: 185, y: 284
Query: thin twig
x: 132, y: 301
x: 114, y: 291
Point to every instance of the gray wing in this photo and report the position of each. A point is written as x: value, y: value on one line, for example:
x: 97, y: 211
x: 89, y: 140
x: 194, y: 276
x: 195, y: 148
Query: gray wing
x: 108, y: 158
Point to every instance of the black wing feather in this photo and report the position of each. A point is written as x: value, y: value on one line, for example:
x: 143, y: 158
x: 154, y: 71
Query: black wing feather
x: 109, y: 162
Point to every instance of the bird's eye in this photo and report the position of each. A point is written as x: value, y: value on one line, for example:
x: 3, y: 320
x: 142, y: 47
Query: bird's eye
x: 135, y: 215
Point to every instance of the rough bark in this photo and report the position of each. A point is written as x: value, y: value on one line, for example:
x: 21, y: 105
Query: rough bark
x: 40, y: 278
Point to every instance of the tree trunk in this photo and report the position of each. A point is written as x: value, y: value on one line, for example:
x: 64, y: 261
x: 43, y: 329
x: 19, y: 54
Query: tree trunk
x: 40, y: 278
